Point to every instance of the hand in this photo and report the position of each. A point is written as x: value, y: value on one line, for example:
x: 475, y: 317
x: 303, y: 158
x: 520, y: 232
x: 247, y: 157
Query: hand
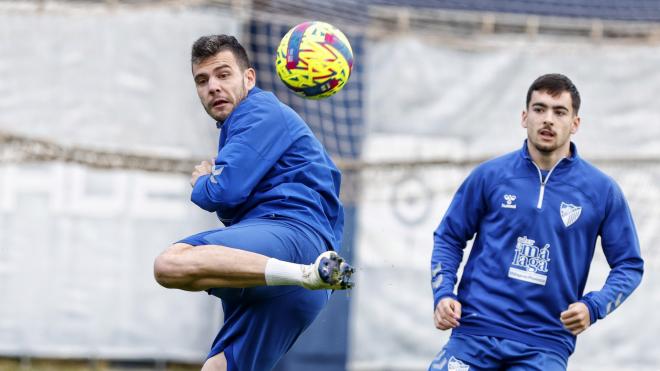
x: 447, y: 314
x: 203, y: 168
x: 576, y: 318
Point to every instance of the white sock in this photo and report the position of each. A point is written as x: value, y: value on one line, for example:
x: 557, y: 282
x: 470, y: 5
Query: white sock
x: 281, y: 273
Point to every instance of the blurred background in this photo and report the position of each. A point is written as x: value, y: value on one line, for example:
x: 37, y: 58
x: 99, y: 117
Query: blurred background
x: 100, y: 127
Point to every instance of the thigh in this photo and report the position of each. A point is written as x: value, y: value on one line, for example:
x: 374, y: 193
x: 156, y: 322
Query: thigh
x: 255, y: 336
x: 467, y: 352
x: 523, y: 357
x: 274, y: 238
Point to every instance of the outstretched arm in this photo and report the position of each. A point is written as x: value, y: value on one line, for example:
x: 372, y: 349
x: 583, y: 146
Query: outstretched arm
x: 458, y: 226
x: 621, y: 247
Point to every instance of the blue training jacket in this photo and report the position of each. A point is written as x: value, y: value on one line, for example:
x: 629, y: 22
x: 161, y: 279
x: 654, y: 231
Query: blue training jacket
x: 533, y: 248
x: 269, y: 164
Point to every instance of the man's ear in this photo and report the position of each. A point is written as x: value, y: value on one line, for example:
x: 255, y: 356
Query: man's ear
x: 250, y: 78
x: 575, y: 125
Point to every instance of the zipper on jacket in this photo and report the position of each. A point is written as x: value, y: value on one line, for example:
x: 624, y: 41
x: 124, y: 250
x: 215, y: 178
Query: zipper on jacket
x: 539, y: 204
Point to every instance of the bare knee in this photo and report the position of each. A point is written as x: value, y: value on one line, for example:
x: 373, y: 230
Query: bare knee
x: 215, y: 363
x: 169, y: 269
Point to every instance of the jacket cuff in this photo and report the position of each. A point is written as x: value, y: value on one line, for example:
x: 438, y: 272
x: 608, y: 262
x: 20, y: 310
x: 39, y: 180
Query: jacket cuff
x: 593, y: 314
x: 437, y: 296
x: 198, y: 196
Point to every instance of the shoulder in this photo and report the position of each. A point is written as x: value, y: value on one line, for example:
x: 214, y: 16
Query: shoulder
x: 600, y: 187
x: 596, y: 178
x: 258, y: 101
x: 258, y: 108
x: 498, y: 167
x: 262, y: 97
x: 269, y: 107
x: 586, y: 168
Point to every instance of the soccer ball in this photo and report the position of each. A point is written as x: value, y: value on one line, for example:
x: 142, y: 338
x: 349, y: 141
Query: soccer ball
x: 314, y: 60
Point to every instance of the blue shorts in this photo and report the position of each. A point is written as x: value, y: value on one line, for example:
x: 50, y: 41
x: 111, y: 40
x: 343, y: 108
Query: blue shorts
x: 477, y: 353
x: 262, y: 323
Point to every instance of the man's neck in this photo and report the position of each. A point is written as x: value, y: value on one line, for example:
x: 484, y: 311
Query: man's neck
x: 547, y: 160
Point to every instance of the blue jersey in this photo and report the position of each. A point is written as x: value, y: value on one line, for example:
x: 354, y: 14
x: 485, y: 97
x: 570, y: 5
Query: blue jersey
x: 535, y: 239
x: 270, y: 164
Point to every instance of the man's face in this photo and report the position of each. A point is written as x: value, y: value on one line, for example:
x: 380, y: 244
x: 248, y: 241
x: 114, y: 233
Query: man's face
x: 221, y: 83
x: 550, y: 121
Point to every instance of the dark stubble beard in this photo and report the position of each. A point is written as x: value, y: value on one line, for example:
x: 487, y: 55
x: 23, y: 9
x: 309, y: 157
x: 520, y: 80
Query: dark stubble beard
x: 243, y: 95
x: 546, y: 149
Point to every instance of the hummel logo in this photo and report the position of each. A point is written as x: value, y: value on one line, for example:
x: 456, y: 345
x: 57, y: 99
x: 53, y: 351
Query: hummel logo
x: 509, y: 202
x: 215, y: 171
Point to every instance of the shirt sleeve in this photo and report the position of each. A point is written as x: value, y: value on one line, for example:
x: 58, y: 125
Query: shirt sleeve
x: 621, y: 248
x: 256, y: 139
x: 458, y: 226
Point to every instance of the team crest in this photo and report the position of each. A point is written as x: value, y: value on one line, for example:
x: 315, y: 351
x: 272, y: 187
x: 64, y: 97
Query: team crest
x: 569, y: 213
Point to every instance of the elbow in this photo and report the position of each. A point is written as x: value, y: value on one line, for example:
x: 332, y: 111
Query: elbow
x: 633, y: 269
x: 219, y: 201
x: 231, y: 199
x: 638, y: 267
x: 640, y: 271
x: 169, y: 269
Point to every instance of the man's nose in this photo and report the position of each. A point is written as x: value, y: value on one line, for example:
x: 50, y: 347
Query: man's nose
x: 549, y: 118
x: 214, y: 85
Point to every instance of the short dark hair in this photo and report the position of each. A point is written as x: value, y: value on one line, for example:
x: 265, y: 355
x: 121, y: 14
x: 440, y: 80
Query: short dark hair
x: 208, y: 46
x: 555, y: 84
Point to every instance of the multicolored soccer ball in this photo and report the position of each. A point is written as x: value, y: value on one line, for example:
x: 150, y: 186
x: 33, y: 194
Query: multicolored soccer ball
x: 314, y: 60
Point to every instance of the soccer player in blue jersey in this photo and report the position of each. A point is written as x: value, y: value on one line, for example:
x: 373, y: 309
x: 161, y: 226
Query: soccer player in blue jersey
x: 537, y: 213
x: 277, y: 192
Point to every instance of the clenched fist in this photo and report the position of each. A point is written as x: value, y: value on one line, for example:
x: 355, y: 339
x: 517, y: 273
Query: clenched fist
x: 576, y: 318
x: 447, y: 314
x: 203, y: 168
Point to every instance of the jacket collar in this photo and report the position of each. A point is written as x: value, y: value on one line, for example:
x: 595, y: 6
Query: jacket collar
x: 252, y: 91
x: 571, y: 159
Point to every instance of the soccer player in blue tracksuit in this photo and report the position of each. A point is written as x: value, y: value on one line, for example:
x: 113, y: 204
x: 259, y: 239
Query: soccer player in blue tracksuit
x: 537, y: 213
x: 277, y: 192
